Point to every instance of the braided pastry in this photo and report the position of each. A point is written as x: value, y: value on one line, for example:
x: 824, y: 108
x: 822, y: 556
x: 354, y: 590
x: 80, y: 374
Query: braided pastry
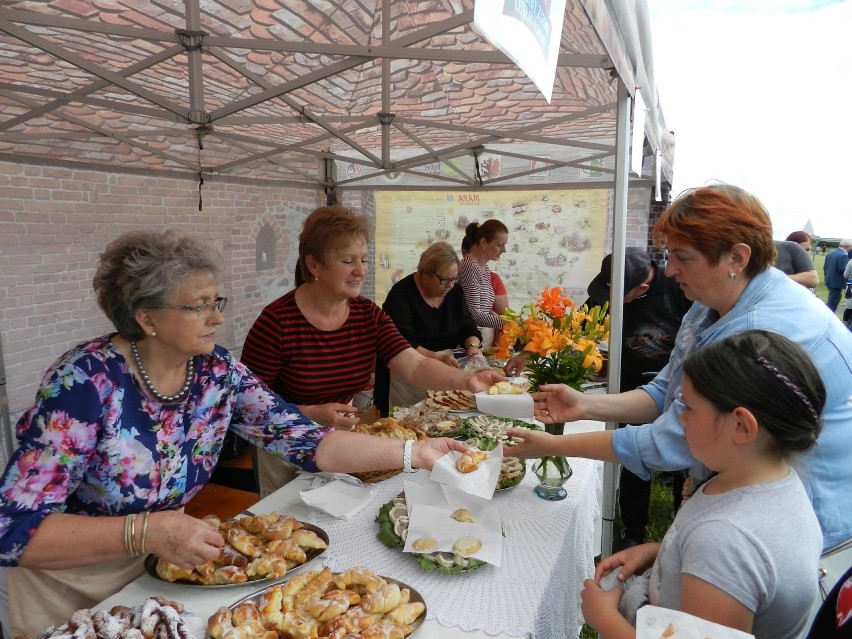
x: 363, y: 578
x: 156, y: 618
x: 384, y: 629
x: 257, y: 547
x: 385, y: 599
x: 315, y: 604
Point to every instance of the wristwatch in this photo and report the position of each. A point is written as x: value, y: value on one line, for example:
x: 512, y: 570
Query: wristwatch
x: 406, y: 457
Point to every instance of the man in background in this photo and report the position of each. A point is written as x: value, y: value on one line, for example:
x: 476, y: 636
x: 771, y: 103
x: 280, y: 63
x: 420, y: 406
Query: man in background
x: 654, y: 306
x: 793, y: 260
x: 835, y: 264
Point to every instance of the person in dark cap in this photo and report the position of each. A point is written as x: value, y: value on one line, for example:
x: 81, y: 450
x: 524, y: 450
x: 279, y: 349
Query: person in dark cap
x: 654, y: 306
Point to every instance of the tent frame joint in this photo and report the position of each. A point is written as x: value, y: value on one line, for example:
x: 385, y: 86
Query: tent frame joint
x: 191, y: 40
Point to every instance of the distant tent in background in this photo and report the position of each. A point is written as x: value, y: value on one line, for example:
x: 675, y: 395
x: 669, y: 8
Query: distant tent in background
x: 809, y: 228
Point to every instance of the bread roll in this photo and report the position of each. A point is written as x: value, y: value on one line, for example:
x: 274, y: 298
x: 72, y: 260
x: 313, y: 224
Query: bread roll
x: 506, y: 388
x: 464, y: 516
x: 469, y: 461
x: 424, y: 544
x: 467, y: 546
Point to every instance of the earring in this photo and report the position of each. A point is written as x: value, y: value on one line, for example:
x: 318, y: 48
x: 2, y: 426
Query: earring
x: 153, y: 333
x: 732, y: 276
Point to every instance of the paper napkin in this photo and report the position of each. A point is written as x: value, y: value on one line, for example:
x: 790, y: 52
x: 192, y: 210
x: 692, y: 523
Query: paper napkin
x: 436, y: 523
x: 480, y: 482
x: 338, y: 498
x: 515, y: 406
x: 653, y: 622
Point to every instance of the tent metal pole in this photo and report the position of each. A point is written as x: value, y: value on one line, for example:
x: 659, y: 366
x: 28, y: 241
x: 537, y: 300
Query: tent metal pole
x: 7, y: 433
x: 619, y: 241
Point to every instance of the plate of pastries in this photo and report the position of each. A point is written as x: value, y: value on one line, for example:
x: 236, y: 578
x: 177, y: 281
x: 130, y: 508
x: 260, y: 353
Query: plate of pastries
x: 156, y: 617
x: 257, y: 547
x: 452, y: 400
x: 320, y: 603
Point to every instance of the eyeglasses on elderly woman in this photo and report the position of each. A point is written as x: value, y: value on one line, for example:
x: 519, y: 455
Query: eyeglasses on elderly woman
x: 207, y: 308
x: 444, y: 281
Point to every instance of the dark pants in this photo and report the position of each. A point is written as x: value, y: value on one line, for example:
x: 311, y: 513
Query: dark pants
x: 634, y: 497
x: 833, y: 299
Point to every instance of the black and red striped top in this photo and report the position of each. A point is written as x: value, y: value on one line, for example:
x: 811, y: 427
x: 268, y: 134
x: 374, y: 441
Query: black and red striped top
x: 305, y: 365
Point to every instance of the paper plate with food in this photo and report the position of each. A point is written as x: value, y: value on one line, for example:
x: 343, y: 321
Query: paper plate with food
x: 322, y: 603
x: 463, y: 553
x: 261, y: 547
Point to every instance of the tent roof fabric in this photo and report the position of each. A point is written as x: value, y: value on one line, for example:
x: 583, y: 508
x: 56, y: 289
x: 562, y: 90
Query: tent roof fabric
x: 289, y: 91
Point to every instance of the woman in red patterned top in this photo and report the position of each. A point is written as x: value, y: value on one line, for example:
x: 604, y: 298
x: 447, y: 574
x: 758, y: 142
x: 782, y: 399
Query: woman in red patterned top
x: 316, y: 345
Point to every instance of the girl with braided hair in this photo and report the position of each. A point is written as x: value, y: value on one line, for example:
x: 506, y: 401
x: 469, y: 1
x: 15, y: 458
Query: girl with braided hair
x: 744, y: 551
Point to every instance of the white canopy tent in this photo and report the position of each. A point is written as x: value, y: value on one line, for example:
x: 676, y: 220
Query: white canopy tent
x: 328, y: 94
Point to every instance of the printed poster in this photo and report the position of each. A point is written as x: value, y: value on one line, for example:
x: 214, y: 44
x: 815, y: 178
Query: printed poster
x: 556, y: 238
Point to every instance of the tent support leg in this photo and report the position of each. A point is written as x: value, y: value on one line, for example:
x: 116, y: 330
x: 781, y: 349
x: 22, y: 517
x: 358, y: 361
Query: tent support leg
x: 619, y: 241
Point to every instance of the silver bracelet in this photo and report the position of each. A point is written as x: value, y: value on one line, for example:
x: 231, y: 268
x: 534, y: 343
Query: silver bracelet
x: 406, y: 457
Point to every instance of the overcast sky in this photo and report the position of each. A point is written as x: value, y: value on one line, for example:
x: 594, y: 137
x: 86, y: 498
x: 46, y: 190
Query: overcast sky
x: 758, y: 93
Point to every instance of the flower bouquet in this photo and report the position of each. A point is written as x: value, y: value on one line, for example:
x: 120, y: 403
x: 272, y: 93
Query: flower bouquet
x: 560, y: 345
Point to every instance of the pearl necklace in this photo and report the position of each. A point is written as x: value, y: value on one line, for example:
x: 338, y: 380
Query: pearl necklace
x: 190, y: 372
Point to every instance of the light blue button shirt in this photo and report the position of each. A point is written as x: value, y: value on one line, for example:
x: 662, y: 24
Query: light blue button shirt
x: 771, y: 302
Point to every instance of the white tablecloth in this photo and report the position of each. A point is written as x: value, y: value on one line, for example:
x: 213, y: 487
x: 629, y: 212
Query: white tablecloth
x: 548, y: 551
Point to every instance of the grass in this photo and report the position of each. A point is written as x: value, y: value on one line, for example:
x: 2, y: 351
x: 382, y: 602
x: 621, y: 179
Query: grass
x: 821, y: 289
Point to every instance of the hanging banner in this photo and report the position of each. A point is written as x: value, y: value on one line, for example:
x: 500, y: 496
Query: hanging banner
x: 528, y: 31
x: 556, y: 238
x: 638, y: 138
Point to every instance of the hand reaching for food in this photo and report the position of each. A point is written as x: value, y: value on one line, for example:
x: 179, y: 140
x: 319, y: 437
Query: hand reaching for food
x: 183, y: 540
x: 484, y: 379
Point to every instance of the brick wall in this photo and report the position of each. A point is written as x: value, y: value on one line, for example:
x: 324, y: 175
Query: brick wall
x: 54, y: 221
x: 639, y: 201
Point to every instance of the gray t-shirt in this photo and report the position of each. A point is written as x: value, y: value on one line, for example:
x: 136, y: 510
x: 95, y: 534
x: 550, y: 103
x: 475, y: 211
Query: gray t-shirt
x: 792, y: 258
x: 760, y: 544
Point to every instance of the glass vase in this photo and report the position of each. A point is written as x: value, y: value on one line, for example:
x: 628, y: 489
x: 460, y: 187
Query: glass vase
x: 552, y: 471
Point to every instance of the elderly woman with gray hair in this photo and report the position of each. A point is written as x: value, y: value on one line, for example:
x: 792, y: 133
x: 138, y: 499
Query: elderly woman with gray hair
x: 127, y: 428
x: 429, y: 309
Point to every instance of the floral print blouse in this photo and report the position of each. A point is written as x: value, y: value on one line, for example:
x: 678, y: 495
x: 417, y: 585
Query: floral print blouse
x: 94, y: 443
